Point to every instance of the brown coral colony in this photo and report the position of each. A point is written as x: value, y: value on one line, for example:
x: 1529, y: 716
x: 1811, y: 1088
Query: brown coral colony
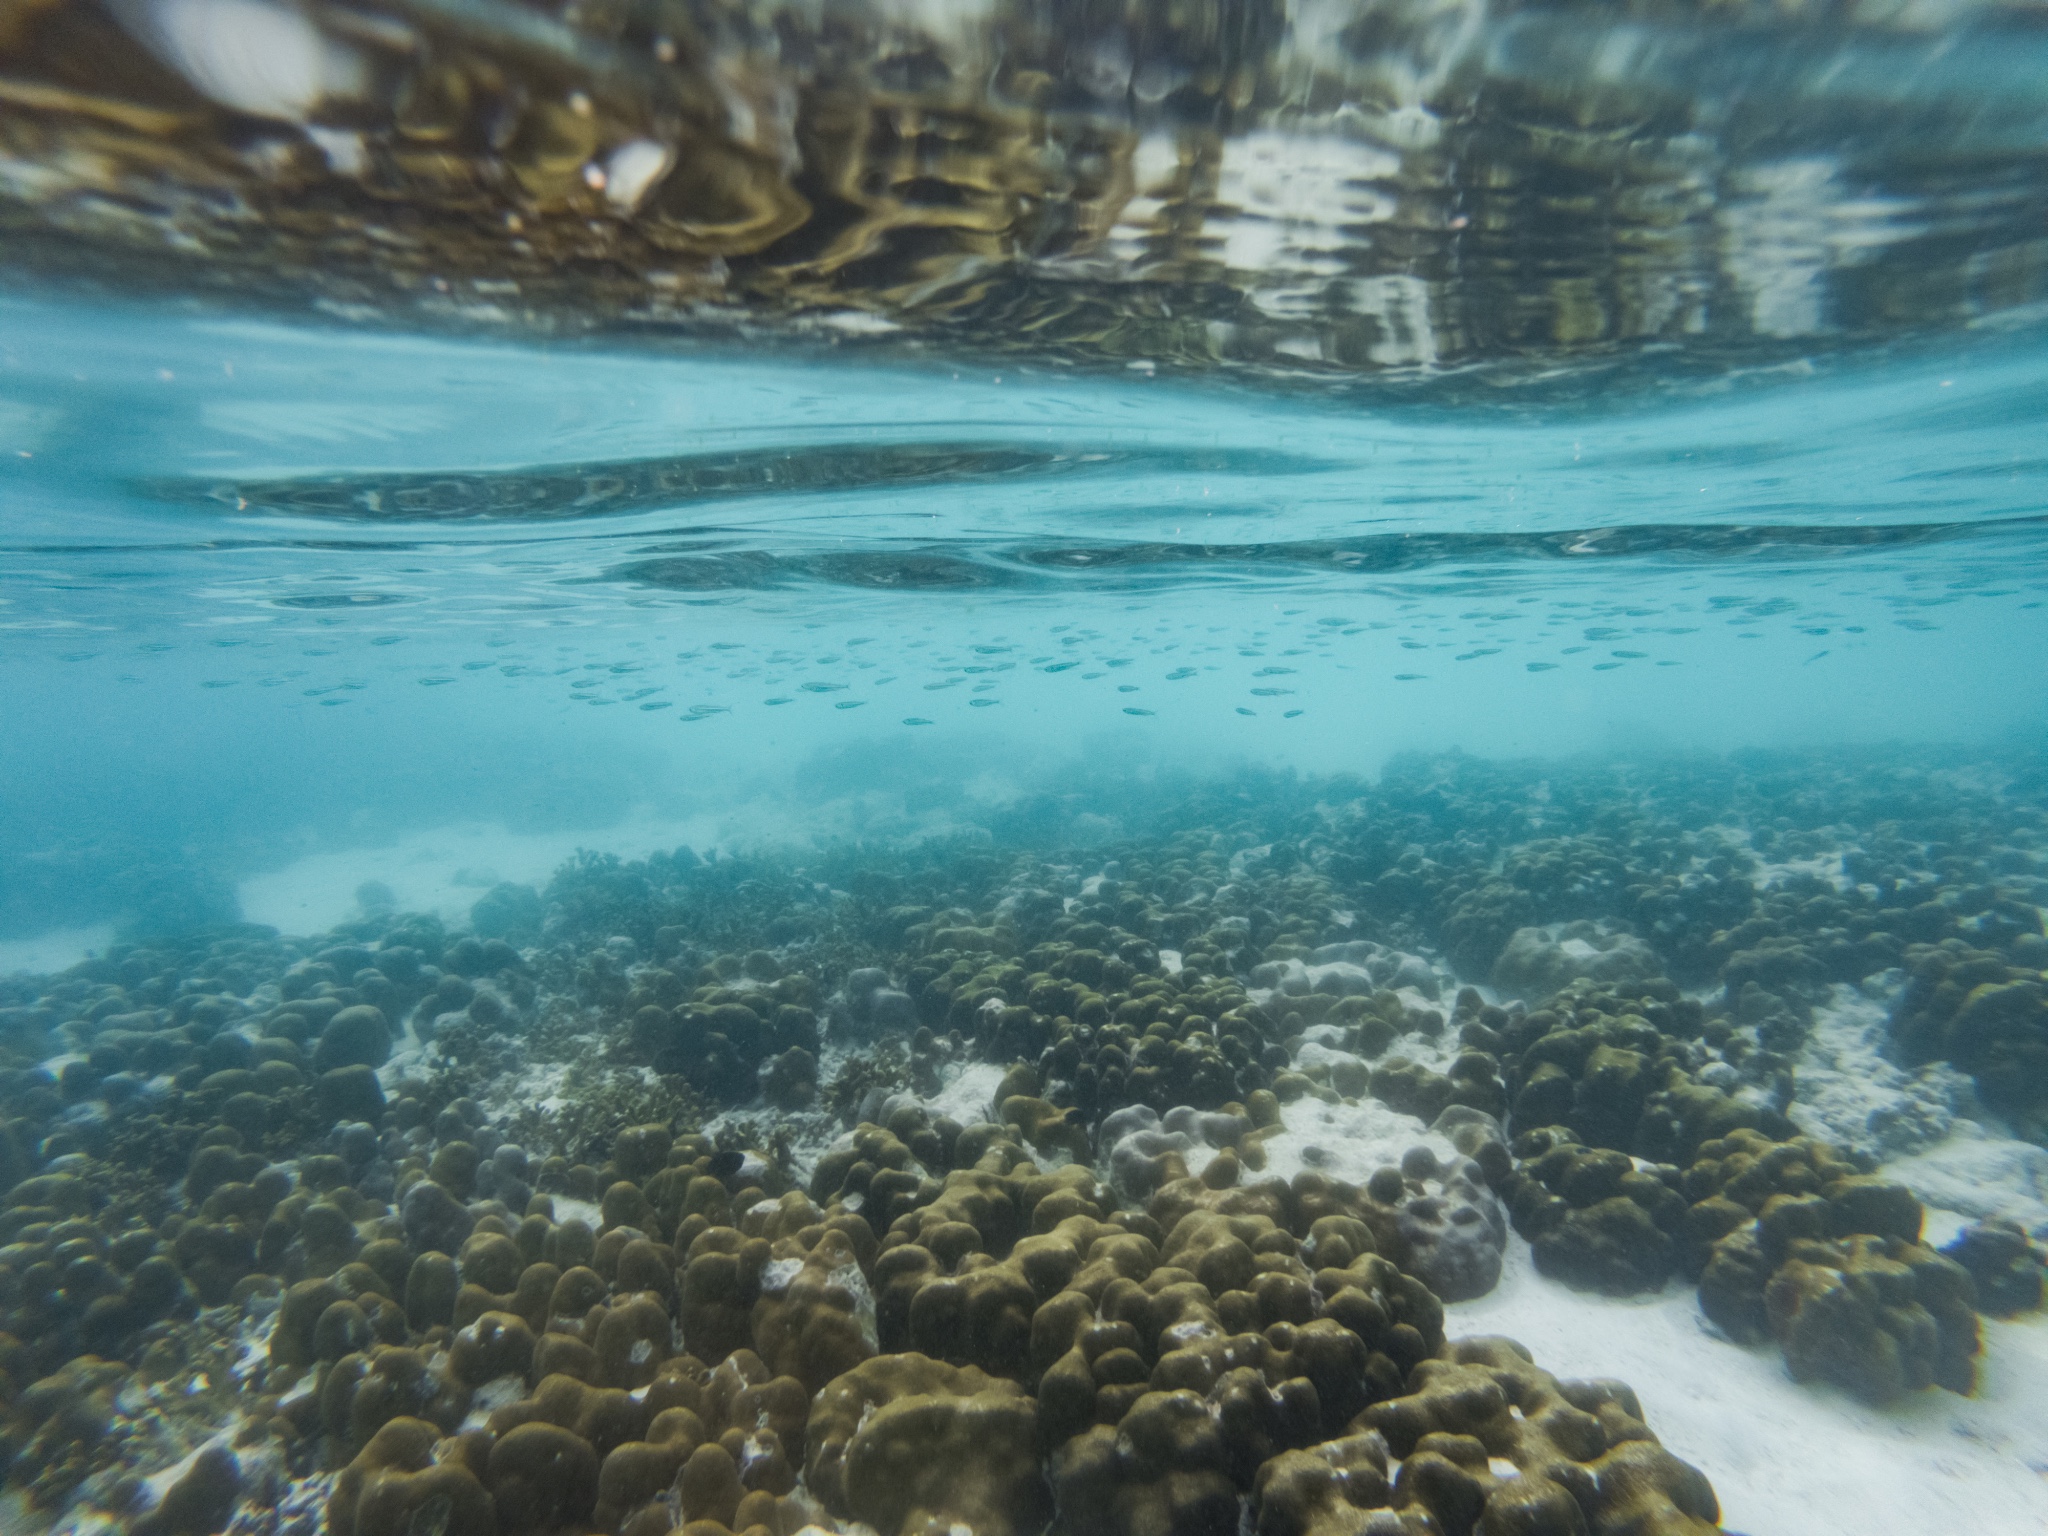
x: 1122, y: 1290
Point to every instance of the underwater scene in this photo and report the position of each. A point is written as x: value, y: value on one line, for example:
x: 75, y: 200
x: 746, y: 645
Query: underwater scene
x: 1023, y: 768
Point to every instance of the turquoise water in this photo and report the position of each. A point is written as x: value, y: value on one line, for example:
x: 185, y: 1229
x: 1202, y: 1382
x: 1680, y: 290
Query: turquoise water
x: 580, y: 924
x: 1033, y: 768
x: 271, y: 586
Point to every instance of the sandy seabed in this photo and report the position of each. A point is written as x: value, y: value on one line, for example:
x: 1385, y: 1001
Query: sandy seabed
x: 1793, y: 1460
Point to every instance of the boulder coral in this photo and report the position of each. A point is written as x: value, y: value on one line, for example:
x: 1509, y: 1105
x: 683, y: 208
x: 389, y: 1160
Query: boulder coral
x: 1879, y: 1317
x: 1593, y: 1218
x: 2009, y: 1271
x: 907, y: 1444
x: 956, y: 1188
x: 1984, y: 1015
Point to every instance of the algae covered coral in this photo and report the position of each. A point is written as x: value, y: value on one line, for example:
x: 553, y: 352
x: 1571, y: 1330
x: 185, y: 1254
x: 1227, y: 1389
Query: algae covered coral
x: 1001, y: 1185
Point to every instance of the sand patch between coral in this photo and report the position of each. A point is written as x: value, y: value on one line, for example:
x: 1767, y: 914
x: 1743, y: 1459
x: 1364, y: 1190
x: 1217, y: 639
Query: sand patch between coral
x: 54, y: 950
x: 1789, y: 1460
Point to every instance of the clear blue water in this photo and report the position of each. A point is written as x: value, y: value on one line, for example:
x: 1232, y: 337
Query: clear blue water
x: 271, y: 588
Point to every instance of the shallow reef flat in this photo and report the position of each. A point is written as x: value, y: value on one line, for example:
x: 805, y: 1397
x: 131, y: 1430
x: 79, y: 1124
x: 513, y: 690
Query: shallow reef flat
x: 1563, y: 1149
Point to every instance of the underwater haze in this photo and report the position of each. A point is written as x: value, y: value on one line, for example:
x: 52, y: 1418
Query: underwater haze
x: 1022, y: 769
x: 274, y: 590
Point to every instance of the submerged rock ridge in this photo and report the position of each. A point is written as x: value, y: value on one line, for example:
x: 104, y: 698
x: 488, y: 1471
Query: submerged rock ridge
x: 1004, y: 1186
x: 1320, y: 191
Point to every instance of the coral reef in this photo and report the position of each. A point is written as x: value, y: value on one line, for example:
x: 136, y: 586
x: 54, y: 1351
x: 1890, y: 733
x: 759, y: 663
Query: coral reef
x: 1986, y: 1017
x: 1592, y: 1217
x: 1000, y: 1189
x: 1877, y: 1316
x: 1538, y: 962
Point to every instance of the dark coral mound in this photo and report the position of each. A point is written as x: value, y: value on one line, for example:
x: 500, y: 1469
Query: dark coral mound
x: 2010, y: 1272
x: 1989, y: 1017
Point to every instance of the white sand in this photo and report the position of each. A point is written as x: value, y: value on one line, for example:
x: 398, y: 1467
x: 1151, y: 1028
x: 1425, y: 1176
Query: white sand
x: 1789, y: 1460
x: 1349, y: 1141
x: 1851, y: 1092
x: 969, y: 1094
x: 57, y: 950
x: 1979, y: 1172
x: 442, y: 871
x: 1926, y: 1125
